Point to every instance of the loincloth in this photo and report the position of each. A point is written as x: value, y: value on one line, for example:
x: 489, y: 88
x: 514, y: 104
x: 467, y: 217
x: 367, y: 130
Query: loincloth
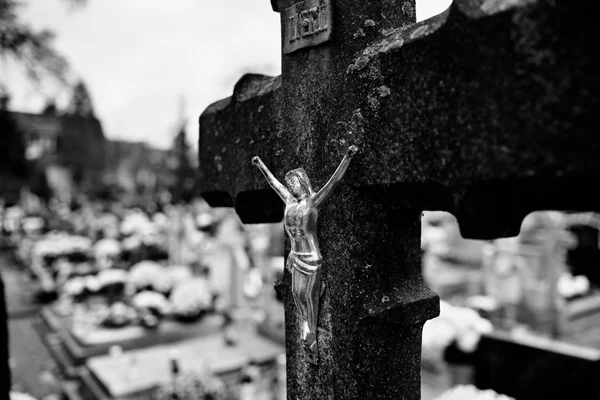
x: 307, y: 263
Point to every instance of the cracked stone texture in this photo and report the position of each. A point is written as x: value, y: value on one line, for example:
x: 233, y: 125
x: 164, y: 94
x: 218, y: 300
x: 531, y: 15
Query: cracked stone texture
x: 486, y: 111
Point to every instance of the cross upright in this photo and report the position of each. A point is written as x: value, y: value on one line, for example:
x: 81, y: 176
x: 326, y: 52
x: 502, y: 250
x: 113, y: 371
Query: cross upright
x: 466, y: 112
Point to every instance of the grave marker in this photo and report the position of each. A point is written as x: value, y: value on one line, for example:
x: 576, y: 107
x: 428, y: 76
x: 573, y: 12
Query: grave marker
x: 487, y: 110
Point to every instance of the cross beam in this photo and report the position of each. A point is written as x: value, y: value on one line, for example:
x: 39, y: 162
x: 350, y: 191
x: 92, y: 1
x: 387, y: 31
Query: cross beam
x: 486, y: 111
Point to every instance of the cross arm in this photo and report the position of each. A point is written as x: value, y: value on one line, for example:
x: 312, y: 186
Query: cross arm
x: 468, y: 112
x: 474, y: 113
x: 234, y: 130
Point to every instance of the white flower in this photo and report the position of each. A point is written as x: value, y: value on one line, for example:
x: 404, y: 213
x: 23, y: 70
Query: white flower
x: 565, y: 286
x: 483, y: 325
x: 150, y: 273
x: 438, y: 334
x: 470, y: 392
x: 92, y: 283
x: 132, y: 242
x: 110, y: 276
x: 160, y: 220
x: 150, y: 299
x: 462, y: 325
x: 468, y: 341
x: 74, y: 286
x: 179, y: 274
x: 581, y: 284
x: 107, y: 247
x: 191, y: 297
x: 21, y: 396
x: 57, y: 244
x: 136, y: 223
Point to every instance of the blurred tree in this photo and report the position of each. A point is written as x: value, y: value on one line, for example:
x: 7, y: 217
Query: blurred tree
x: 14, y: 167
x: 27, y: 47
x: 38, y: 183
x: 184, y: 171
x: 81, y: 102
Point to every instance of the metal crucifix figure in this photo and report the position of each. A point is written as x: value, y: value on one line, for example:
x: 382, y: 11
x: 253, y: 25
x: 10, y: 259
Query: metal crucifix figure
x: 300, y: 221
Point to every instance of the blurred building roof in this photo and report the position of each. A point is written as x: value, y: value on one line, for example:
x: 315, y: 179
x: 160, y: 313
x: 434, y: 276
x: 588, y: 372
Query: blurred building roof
x: 47, y: 125
x: 76, y: 142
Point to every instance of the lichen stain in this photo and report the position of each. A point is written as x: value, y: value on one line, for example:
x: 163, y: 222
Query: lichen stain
x: 369, y: 23
x: 397, y: 39
x: 384, y: 91
x: 373, y: 102
x: 408, y: 9
x: 359, y: 33
x: 218, y: 163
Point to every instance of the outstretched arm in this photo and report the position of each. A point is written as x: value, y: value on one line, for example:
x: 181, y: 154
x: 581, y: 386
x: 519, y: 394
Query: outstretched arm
x: 275, y: 184
x: 335, y: 179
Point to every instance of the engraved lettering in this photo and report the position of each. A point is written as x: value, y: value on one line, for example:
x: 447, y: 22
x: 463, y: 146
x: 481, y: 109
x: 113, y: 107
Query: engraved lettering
x: 306, y: 24
x: 324, y: 16
x: 292, y: 28
x: 303, y: 16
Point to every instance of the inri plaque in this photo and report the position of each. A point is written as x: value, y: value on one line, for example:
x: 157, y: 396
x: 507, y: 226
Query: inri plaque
x: 306, y: 24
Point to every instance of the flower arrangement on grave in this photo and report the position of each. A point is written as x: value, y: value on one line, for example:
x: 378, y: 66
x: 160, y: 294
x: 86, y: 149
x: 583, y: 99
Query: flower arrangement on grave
x: 75, y: 287
x: 157, y: 302
x: 150, y: 275
x: 459, y: 328
x: 136, y: 223
x: 107, y: 225
x: 151, y: 307
x: 144, y: 238
x: 112, y: 282
x: 109, y: 282
x: 470, y: 392
x: 111, y: 276
x: 21, y: 396
x: 179, y: 274
x: 569, y: 286
x: 118, y: 315
x: 54, y: 257
x: 61, y: 244
x: 191, y: 299
x: 106, y: 252
x: 192, y: 386
x: 32, y: 225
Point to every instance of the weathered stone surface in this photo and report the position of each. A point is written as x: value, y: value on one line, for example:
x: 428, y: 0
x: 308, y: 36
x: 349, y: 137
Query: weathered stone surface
x: 489, y: 117
x: 485, y: 111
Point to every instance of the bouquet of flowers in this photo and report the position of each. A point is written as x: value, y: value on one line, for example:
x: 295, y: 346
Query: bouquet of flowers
x: 152, y: 301
x: 21, y: 396
x: 569, y: 286
x: 455, y: 325
x: 106, y: 252
x: 191, y: 299
x: 179, y: 274
x: 136, y: 223
x: 470, y: 392
x: 193, y: 386
x: 60, y: 244
x: 150, y: 275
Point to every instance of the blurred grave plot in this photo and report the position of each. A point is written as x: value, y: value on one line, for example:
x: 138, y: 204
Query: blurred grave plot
x: 519, y: 315
x: 112, y: 279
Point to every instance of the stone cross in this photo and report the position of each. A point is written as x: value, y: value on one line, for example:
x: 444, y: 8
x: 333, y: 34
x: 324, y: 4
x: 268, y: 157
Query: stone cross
x: 486, y: 110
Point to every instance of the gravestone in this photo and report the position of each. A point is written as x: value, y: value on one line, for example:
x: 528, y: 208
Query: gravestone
x: 485, y: 111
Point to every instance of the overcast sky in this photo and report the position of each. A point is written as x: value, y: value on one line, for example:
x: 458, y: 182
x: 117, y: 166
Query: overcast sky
x: 140, y: 57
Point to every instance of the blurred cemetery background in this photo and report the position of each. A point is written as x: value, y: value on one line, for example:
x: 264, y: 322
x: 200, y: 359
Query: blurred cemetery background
x: 121, y: 282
